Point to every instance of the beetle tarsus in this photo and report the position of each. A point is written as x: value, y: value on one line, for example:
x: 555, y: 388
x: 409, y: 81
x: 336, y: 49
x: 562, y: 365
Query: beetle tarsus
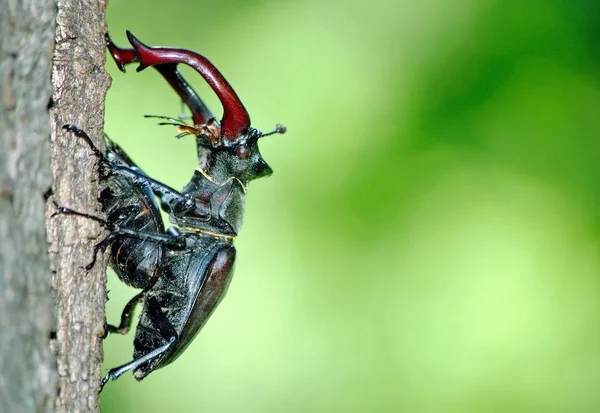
x: 81, y: 134
x: 117, y: 372
x: 60, y: 210
x: 99, y: 247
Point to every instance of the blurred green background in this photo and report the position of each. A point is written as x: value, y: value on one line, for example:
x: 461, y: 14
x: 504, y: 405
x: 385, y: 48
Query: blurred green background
x: 430, y: 239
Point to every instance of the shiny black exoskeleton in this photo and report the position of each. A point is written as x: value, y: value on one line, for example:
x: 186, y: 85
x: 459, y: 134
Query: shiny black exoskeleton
x: 185, y: 271
x: 131, y: 205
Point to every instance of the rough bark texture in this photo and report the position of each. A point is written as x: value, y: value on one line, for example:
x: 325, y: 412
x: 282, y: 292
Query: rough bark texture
x: 27, y: 368
x: 80, y: 85
x: 35, y: 320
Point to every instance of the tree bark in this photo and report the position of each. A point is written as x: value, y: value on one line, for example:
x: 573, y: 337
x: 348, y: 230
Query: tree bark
x: 51, y: 309
x: 27, y: 371
x: 80, y: 85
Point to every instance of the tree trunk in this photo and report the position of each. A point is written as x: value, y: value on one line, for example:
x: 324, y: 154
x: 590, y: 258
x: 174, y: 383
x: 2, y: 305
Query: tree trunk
x: 80, y: 85
x: 35, y: 320
x: 27, y: 373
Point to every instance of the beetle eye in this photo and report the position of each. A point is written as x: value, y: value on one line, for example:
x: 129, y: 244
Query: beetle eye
x: 242, y: 151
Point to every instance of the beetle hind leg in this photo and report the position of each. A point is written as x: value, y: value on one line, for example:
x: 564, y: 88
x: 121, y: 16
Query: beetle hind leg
x: 117, y: 372
x: 165, y: 329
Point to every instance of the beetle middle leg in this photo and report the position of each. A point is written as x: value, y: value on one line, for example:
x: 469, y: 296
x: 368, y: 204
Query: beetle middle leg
x: 99, y: 247
x: 127, y: 314
x: 112, y: 227
x: 169, y: 238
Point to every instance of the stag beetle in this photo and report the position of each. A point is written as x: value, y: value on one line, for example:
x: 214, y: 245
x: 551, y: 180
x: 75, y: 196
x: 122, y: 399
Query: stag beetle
x: 184, y: 272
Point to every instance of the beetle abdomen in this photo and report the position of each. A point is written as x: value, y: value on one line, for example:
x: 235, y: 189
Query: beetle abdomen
x: 207, y: 270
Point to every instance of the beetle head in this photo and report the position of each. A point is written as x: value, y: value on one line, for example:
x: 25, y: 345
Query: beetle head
x: 240, y: 159
x: 228, y: 148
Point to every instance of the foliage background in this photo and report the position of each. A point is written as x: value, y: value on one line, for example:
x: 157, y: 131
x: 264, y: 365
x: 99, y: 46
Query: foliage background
x: 429, y: 241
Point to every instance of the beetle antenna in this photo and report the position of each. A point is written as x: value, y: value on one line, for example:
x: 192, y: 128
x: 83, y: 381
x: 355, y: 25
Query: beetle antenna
x: 178, y: 121
x: 278, y: 129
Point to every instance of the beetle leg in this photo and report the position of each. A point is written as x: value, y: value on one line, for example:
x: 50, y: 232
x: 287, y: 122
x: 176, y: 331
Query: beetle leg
x: 115, y: 229
x: 174, y: 242
x: 117, y: 372
x: 166, y: 239
x: 81, y: 134
x: 118, y: 229
x: 120, y: 153
x: 153, y: 184
x: 201, y: 114
x: 101, y: 246
x: 167, y: 332
x: 69, y: 211
x: 105, y: 163
x: 171, y: 200
x: 127, y: 315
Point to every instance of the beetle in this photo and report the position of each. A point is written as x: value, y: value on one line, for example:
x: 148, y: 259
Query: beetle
x: 199, y: 256
x: 191, y: 264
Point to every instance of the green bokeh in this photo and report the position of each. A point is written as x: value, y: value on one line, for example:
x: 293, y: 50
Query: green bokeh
x: 429, y: 240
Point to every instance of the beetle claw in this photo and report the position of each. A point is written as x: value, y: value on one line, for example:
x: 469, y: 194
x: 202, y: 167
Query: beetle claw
x: 105, y: 380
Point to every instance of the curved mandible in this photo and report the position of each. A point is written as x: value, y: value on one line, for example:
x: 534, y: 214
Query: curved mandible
x: 236, y: 121
x: 201, y: 114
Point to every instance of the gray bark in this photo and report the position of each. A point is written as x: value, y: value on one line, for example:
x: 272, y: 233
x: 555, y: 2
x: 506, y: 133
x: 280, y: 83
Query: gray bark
x: 80, y: 85
x: 27, y: 369
x: 51, y: 309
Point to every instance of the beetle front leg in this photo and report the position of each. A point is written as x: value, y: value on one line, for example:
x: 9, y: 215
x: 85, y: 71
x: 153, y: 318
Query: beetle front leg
x: 176, y: 243
x: 169, y: 198
x: 175, y: 197
x: 172, y: 201
x: 104, y: 162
